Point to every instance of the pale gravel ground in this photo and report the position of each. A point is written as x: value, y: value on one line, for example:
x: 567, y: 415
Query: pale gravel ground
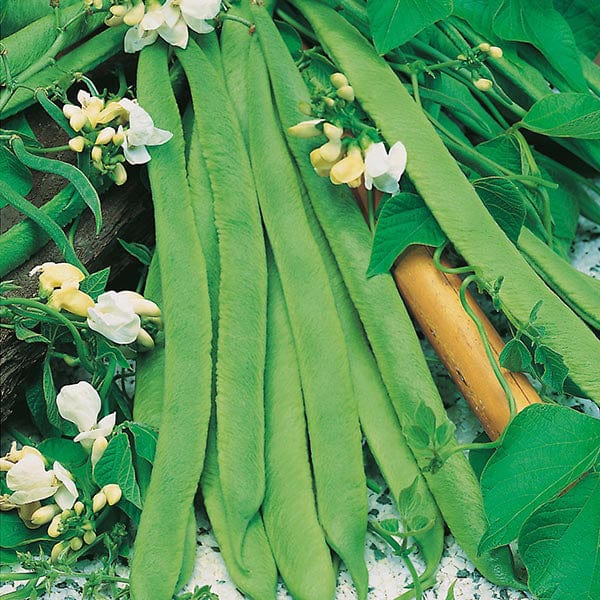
x: 388, y: 575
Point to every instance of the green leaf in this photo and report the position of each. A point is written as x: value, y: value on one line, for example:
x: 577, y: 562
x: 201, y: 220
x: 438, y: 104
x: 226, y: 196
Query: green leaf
x: 394, y: 22
x: 14, y: 173
x: 34, y: 396
x: 68, y: 453
x: 545, y: 449
x: 105, y: 349
x: 565, y: 115
x: 504, y: 201
x: 480, y: 458
x: 144, y: 440
x: 418, y: 437
x: 515, y: 356
x: 409, y: 499
x: 391, y: 525
x: 444, y: 434
x: 28, y: 336
x: 139, y: 251
x: 291, y: 38
x: 425, y: 418
x: 404, y: 220
x: 583, y: 17
x: 554, y: 369
x: 95, y: 283
x: 505, y: 150
x: 559, y: 544
x: 536, y: 22
x: 478, y: 13
x: 15, y: 534
x: 50, y: 396
x: 116, y: 466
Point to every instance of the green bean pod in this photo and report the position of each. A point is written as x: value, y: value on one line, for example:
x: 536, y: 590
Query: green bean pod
x: 85, y: 57
x: 289, y: 510
x: 330, y: 404
x: 452, y: 200
x: 25, y: 238
x: 384, y: 317
x: 242, y: 300
x: 16, y: 14
x: 159, y: 545
x: 579, y: 291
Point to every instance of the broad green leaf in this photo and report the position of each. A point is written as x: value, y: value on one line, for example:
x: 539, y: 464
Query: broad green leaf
x: 15, y: 534
x: 404, y: 220
x: 95, y: 283
x: 504, y: 201
x: 144, y: 440
x: 583, y: 17
x: 478, y: 13
x: 553, y: 369
x: 545, y: 449
x: 515, y: 356
x: 394, y: 22
x: 565, y: 115
x: 505, y: 150
x: 50, y: 396
x: 34, y: 396
x: 116, y: 466
x: 559, y: 544
x: 409, y: 500
x: 536, y: 22
x: 14, y: 172
x: 68, y: 453
x: 291, y: 38
x: 28, y: 336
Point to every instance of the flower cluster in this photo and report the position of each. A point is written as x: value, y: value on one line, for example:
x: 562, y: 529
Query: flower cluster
x: 170, y: 21
x: 118, y: 316
x: 353, y: 153
x: 116, y: 131
x: 473, y: 60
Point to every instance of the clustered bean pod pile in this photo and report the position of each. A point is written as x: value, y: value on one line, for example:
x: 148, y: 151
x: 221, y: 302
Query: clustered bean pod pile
x: 280, y: 354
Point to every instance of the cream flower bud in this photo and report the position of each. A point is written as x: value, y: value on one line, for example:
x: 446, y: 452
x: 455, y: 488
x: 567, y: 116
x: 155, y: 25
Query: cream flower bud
x: 135, y: 15
x: 45, y: 514
x: 70, y: 109
x: 98, y: 502
x: 77, y: 144
x: 89, y: 537
x: 97, y: 154
x: 484, y: 47
x: 333, y: 133
x: 55, y: 527
x: 57, y: 550
x: 485, y: 85
x: 305, y: 108
x: 306, y: 129
x: 331, y: 151
x: 329, y: 102
x: 144, y: 341
x: 26, y: 511
x: 339, y: 80
x: 78, y: 120
x: 72, y: 300
x: 105, y: 136
x: 141, y: 306
x: 346, y: 92
x: 119, y: 10
x: 76, y: 543
x: 57, y: 275
x: 98, y: 447
x: 119, y: 174
x: 113, y: 493
x: 98, y: 4
x: 79, y: 507
x: 349, y: 168
x: 118, y: 138
x: 496, y: 52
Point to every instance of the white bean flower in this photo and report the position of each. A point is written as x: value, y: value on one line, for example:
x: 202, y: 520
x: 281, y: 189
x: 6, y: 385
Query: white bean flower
x: 194, y: 13
x: 67, y: 493
x: 141, y: 133
x: 80, y: 404
x: 29, y: 480
x: 114, y: 317
x: 384, y: 170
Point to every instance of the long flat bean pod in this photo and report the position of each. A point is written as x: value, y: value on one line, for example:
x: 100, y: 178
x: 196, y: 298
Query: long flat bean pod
x: 289, y: 510
x: 16, y: 14
x: 579, y: 291
x: 242, y: 300
x: 330, y: 404
x: 388, y: 326
x: 451, y: 198
x: 26, y: 237
x: 159, y: 547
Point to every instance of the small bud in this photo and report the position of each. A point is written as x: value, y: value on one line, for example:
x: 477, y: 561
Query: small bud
x: 306, y: 129
x: 76, y: 543
x: 99, y: 446
x: 144, y: 341
x: 89, y: 537
x: 119, y: 174
x: 45, y: 514
x: 329, y: 102
x: 98, y: 502
x: 305, y: 108
x: 105, y: 136
x: 98, y: 4
x: 77, y: 144
x: 484, y: 47
x: 79, y: 507
x: 54, y: 529
x: 113, y: 493
x: 485, y: 85
x: 57, y: 550
x: 339, y: 80
x: 135, y: 15
x: 496, y: 52
x: 65, y: 514
x: 333, y: 133
x: 97, y: 154
x: 346, y: 93
x: 118, y: 138
x: 461, y: 57
x: 87, y: 526
x: 118, y: 10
